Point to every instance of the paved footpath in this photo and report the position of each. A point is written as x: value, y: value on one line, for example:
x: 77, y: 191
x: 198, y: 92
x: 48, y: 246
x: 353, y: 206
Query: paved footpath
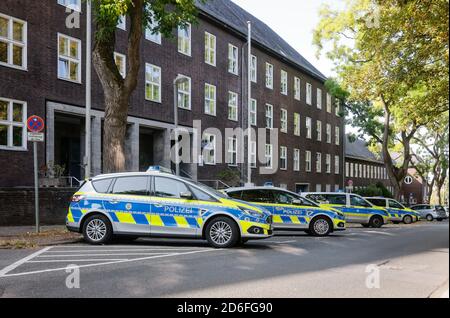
x: 394, y: 261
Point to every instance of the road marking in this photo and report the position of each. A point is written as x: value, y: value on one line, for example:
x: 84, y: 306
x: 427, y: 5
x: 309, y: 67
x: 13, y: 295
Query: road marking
x: 101, y: 264
x: 379, y: 232
x: 126, y: 250
x: 79, y: 260
x: 13, y: 266
x: 109, y: 254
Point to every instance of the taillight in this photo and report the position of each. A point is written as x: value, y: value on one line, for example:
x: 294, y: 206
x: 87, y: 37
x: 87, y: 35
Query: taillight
x: 76, y: 198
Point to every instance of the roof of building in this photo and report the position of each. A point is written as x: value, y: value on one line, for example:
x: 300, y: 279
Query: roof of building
x: 358, y: 149
x: 236, y: 18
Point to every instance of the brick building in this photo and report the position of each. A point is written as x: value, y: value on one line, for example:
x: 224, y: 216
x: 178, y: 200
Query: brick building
x: 42, y: 72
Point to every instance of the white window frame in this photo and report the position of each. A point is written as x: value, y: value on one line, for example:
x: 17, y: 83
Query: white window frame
x: 297, y: 88
x: 69, y: 59
x: 232, y: 151
x: 328, y: 163
x: 337, y: 165
x: 185, y: 41
x: 308, y: 125
x: 65, y: 3
x: 297, y: 124
x: 10, y: 43
x: 153, y: 84
x: 185, y: 92
x: 269, y: 75
x: 328, y: 103
x: 318, y: 162
x: 284, y: 120
x: 231, y: 106
x: 211, y: 144
x: 347, y: 169
x: 337, y: 107
x: 210, y: 99
x: 210, y: 51
x: 268, y: 155
x: 308, y: 93
x: 328, y: 133
x: 253, y: 157
x: 123, y: 70
x: 10, y: 124
x: 296, y: 159
x: 283, y: 158
x: 253, y: 112
x: 337, y: 135
x: 151, y: 36
x: 233, y: 59
x: 254, y: 69
x: 269, y: 116
x: 319, y: 129
x: 308, y: 164
x: 319, y: 98
x: 284, y: 82
x: 122, y: 22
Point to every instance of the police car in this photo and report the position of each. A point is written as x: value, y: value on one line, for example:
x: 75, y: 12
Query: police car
x: 355, y: 208
x: 290, y: 211
x: 398, y: 213
x: 157, y: 203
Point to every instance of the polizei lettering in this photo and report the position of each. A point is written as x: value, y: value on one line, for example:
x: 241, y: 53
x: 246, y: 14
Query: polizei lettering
x: 178, y: 209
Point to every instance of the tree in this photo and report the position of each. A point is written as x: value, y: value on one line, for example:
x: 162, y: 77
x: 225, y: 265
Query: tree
x: 167, y: 15
x: 391, y: 57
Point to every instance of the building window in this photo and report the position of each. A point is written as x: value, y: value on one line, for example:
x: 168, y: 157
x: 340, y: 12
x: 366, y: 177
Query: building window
x: 254, y: 69
x: 319, y: 130
x: 365, y: 171
x: 284, y: 120
x: 352, y: 166
x: 329, y: 133
x: 232, y: 106
x: 318, y: 162
x: 319, y: 98
x: 209, y: 149
x: 210, y: 49
x: 328, y: 103
x: 337, y: 135
x: 253, y: 154
x: 151, y: 34
x: 328, y: 163
x: 360, y: 170
x: 268, y: 154
x: 72, y: 4
x: 153, y: 83
x: 296, y: 124
x: 297, y: 88
x: 233, y: 59
x: 308, y: 94
x: 283, y: 158
x: 296, y: 159
x: 253, y: 112
x: 184, y: 93
x: 184, y: 39
x: 269, y: 75
x: 284, y: 82
x: 210, y: 99
x: 122, y: 22
x: 69, y: 58
x: 269, y: 116
x: 13, y: 116
x: 347, y: 168
x: 121, y: 62
x: 13, y: 42
x: 336, y: 165
x: 356, y: 170
x: 318, y: 188
x: 338, y: 108
x: 308, y: 161
x: 232, y: 151
x: 328, y: 188
x: 308, y: 128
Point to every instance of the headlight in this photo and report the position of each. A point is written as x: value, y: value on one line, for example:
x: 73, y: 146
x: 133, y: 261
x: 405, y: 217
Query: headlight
x: 252, y: 213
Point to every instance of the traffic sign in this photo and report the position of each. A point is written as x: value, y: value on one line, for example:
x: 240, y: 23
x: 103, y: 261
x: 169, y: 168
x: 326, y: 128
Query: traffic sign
x: 37, y: 137
x: 35, y: 124
x: 350, y: 183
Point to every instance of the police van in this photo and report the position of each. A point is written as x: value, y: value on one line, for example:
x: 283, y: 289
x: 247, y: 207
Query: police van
x: 355, y: 208
x: 157, y: 203
x: 397, y: 211
x: 290, y: 211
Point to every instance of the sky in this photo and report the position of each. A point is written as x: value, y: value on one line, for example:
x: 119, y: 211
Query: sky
x: 294, y: 21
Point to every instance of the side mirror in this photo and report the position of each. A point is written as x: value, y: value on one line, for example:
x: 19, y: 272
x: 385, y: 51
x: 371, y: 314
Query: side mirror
x: 186, y: 195
x: 297, y: 202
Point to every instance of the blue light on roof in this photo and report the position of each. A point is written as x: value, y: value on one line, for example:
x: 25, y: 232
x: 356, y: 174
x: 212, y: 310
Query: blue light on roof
x: 159, y: 169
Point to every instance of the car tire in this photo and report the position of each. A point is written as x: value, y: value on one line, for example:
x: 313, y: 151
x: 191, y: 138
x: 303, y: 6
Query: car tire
x: 222, y: 232
x: 408, y: 219
x: 430, y: 218
x: 97, y: 230
x: 439, y: 220
x: 376, y: 221
x: 320, y: 226
x: 366, y: 225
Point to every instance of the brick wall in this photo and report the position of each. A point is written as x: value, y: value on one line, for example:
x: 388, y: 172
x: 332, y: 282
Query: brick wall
x: 17, y: 206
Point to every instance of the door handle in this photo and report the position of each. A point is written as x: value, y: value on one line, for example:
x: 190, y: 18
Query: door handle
x: 113, y: 201
x: 158, y: 205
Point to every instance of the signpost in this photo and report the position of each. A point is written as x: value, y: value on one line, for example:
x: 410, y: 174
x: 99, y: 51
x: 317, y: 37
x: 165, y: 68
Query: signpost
x: 350, y: 186
x: 35, y: 125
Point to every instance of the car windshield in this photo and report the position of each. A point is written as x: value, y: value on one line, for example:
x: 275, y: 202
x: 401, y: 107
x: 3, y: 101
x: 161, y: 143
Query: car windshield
x: 208, y: 189
x: 303, y: 200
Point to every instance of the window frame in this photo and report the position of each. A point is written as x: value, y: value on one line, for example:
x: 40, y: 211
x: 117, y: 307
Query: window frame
x: 297, y: 124
x: 185, y: 92
x: 284, y: 82
x: 329, y: 103
x: 70, y: 59
x: 319, y: 98
x: 337, y: 135
x: 269, y: 75
x: 309, y: 94
x: 231, y: 106
x: 209, y: 99
x: 337, y: 164
x: 232, y: 151
x: 64, y: 4
x: 254, y: 69
x: 296, y: 159
x: 152, y: 37
x: 319, y: 129
x: 328, y: 163
x: 297, y: 88
x: 308, y: 163
x: 122, y: 24
x: 10, y: 43
x: 318, y: 162
x: 253, y: 112
x: 233, y: 60
x: 266, y: 156
x: 153, y: 83
x: 214, y: 148
x: 269, y: 106
x: 10, y: 124
x: 328, y: 134
x: 122, y: 72
x: 308, y: 124
x: 209, y: 51
x: 284, y: 120
x: 283, y: 158
x: 182, y: 40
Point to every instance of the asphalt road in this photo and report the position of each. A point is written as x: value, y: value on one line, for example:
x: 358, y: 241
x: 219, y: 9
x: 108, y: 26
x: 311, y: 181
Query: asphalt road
x: 395, y: 261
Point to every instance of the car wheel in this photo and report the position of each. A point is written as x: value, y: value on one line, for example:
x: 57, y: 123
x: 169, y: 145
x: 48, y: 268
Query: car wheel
x: 439, y: 220
x: 407, y: 219
x: 320, y: 226
x: 222, y: 232
x: 430, y: 218
x: 366, y: 225
x: 376, y: 222
x: 97, y: 230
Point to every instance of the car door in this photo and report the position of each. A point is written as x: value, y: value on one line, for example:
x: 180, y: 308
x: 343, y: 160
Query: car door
x: 396, y: 210
x: 338, y: 201
x: 171, y: 214
x: 261, y: 197
x: 360, y: 209
x: 288, y: 214
x: 128, y: 205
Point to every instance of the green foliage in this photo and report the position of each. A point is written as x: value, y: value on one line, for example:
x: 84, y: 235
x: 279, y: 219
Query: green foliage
x: 375, y: 190
x: 231, y: 177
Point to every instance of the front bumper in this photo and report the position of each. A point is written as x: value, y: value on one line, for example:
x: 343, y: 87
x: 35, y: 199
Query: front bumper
x: 254, y: 230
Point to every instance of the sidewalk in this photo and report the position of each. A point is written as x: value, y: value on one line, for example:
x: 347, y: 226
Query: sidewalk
x: 17, y: 237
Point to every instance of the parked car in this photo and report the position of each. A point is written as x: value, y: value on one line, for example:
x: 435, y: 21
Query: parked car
x: 355, y: 208
x: 291, y: 211
x: 398, y: 212
x: 431, y: 212
x: 156, y: 203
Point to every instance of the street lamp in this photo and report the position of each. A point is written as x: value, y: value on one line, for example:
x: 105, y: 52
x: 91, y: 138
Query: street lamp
x: 178, y: 80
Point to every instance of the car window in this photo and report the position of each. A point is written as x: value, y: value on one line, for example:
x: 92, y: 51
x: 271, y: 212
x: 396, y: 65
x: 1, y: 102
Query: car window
x: 358, y: 201
x: 394, y: 204
x: 283, y: 197
x: 318, y: 198
x: 260, y: 196
x: 169, y: 188
x: 439, y: 208
x: 336, y: 198
x: 131, y: 185
x: 101, y: 186
x: 201, y: 195
x: 235, y: 195
x: 378, y: 202
x: 416, y: 208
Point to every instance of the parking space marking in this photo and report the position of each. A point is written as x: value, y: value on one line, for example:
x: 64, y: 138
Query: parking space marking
x: 13, y: 266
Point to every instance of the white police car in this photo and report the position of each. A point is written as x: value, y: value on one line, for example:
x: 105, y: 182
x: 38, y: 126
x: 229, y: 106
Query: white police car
x: 157, y: 203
